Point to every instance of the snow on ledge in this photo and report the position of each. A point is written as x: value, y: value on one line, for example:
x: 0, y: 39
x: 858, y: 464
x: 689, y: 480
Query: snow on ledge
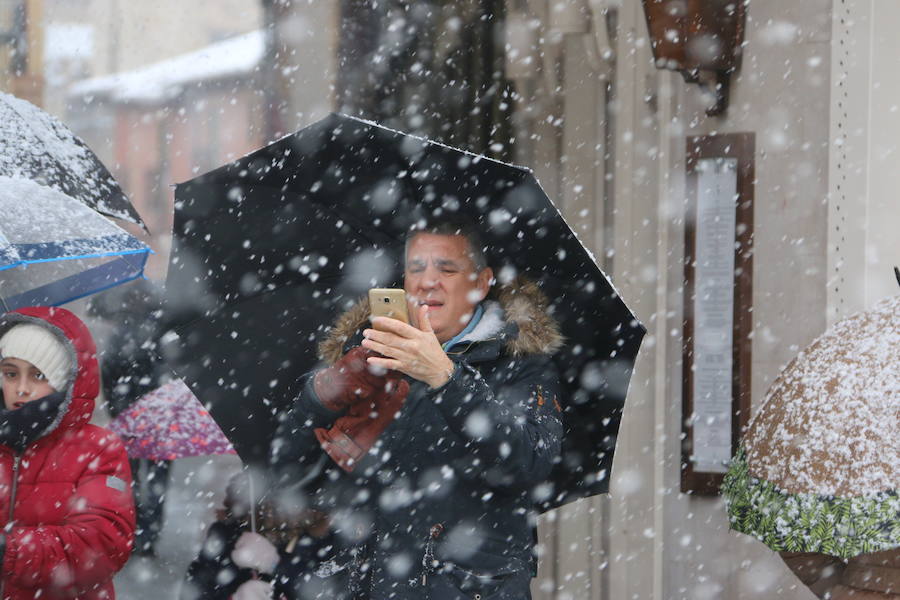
x: 166, y: 79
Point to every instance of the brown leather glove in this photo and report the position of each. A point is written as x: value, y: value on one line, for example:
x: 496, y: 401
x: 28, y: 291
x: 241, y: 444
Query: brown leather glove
x: 355, y: 433
x: 350, y: 380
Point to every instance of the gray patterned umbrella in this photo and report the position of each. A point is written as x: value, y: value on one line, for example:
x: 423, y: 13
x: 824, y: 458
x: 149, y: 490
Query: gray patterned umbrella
x: 38, y: 147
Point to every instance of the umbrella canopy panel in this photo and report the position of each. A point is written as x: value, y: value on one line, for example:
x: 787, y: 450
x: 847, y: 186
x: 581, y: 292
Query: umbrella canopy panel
x: 819, y: 465
x: 243, y: 362
x: 327, y: 210
x: 830, y: 424
x: 169, y: 423
x: 54, y: 249
x: 36, y: 146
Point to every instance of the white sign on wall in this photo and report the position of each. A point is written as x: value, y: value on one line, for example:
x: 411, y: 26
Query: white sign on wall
x: 714, y: 313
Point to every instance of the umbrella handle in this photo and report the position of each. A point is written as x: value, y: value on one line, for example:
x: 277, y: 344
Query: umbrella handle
x: 252, y: 504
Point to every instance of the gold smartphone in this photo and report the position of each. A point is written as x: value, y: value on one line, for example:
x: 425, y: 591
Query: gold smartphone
x: 389, y: 302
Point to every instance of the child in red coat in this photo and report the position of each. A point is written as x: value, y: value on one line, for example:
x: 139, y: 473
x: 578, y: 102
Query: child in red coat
x: 65, y: 500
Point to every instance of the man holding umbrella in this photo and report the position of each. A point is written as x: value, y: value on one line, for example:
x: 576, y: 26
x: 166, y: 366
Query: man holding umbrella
x: 445, y: 430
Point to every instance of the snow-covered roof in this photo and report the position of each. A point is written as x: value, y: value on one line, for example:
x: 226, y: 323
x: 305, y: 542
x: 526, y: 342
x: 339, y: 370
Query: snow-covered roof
x: 161, y: 81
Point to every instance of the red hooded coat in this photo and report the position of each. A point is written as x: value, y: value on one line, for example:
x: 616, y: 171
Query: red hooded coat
x: 68, y: 496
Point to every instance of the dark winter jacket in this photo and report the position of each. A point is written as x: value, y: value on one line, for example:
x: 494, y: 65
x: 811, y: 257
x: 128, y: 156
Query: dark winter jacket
x: 312, y: 569
x: 442, y: 507
x: 67, y: 498
x: 131, y: 366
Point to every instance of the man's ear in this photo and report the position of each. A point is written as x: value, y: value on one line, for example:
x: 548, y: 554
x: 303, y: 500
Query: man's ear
x: 483, y: 282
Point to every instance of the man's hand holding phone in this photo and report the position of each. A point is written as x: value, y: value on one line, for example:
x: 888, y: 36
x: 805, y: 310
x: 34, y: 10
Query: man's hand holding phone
x: 413, y: 351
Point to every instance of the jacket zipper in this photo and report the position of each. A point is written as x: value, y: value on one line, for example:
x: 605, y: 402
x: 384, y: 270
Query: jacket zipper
x: 17, y: 459
x: 429, y: 563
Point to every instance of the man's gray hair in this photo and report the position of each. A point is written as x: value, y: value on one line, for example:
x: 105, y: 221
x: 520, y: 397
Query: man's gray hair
x: 454, y: 226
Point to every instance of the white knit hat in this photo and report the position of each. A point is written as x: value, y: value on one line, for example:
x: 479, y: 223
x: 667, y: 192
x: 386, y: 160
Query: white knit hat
x: 42, y: 349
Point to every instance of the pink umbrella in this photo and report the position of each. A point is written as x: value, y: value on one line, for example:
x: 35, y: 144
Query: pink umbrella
x: 169, y: 423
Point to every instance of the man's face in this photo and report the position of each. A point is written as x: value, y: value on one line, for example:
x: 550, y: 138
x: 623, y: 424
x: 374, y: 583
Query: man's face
x: 22, y: 383
x: 440, y: 274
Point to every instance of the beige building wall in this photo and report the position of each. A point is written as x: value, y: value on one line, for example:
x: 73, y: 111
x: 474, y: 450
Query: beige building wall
x: 825, y: 114
x: 882, y: 249
x: 864, y: 180
x: 782, y: 95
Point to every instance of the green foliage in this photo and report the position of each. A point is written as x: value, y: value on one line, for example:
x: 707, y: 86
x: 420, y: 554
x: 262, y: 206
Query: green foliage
x: 842, y: 527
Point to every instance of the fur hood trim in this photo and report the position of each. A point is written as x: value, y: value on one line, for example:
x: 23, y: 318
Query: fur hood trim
x: 523, y: 304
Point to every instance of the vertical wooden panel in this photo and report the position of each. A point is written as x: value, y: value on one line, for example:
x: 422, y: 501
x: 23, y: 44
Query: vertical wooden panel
x: 740, y: 146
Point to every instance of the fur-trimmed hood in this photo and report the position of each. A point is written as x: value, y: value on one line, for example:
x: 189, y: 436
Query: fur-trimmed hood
x: 519, y: 302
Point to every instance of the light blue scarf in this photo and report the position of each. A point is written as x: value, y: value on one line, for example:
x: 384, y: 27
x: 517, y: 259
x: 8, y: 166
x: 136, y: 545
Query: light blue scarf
x: 466, y: 331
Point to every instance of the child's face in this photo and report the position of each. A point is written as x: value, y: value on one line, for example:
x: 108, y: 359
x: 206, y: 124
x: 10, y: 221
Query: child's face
x: 22, y: 383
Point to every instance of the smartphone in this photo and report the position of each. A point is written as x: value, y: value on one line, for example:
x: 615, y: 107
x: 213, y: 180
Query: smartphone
x: 389, y: 302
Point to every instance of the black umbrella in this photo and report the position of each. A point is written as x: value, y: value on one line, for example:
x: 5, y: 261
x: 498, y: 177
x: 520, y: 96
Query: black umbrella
x: 38, y: 147
x: 269, y: 248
